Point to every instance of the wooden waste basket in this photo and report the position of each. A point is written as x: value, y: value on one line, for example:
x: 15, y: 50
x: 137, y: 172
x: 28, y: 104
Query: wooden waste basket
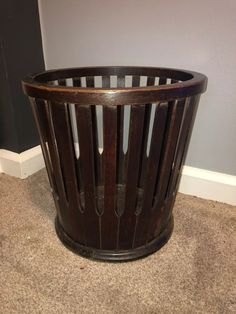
x: 114, y: 140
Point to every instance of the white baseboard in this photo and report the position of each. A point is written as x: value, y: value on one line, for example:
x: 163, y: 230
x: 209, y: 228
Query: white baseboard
x: 207, y: 184
x: 21, y: 165
x: 195, y: 181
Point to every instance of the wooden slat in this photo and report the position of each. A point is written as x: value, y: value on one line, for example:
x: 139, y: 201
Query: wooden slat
x: 120, y: 139
x: 87, y: 155
x: 120, y: 135
x: 90, y: 81
x: 120, y: 180
x: 79, y: 179
x: 162, y: 81
x: 63, y: 135
x: 180, y: 146
x: 54, y: 155
x: 62, y: 82
x: 109, y: 218
x: 76, y: 81
x: 106, y: 81
x: 120, y: 81
x: 39, y: 112
x: 127, y: 220
x: 135, y: 81
x: 38, y: 108
x: 175, y: 113
x: 97, y: 156
x: 144, y: 157
x: 150, y: 81
x: 151, y: 174
x: 121, y: 157
x: 182, y: 149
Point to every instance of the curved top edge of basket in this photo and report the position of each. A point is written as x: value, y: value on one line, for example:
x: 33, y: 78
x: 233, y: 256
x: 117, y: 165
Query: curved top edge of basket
x: 195, y: 84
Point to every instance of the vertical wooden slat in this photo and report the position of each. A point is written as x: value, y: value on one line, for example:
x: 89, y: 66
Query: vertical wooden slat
x: 150, y: 81
x: 135, y: 81
x: 63, y: 136
x: 162, y: 81
x: 121, y: 81
x: 79, y: 179
x: 62, y: 82
x: 39, y: 112
x: 90, y: 81
x: 109, y: 221
x: 120, y: 139
x: 180, y: 145
x: 120, y: 135
x: 106, y: 81
x: 176, y: 113
x: 151, y: 174
x: 120, y: 158
x: 54, y: 155
x: 97, y: 156
x: 120, y: 167
x: 172, y: 131
x: 182, y: 150
x: 147, y: 116
x: 38, y: 106
x: 144, y: 158
x: 52, y: 82
x: 87, y: 156
x: 76, y: 81
x: 127, y: 220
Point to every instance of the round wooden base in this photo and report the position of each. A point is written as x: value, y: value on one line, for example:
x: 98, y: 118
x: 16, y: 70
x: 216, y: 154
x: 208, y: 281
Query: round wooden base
x: 115, y: 255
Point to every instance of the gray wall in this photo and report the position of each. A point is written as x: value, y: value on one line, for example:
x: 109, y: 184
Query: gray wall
x: 196, y: 35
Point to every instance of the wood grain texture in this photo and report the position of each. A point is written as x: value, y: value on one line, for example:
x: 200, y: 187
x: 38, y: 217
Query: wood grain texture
x: 76, y: 81
x: 109, y: 218
x: 39, y: 112
x: 150, y: 81
x: 175, y: 115
x: 181, y: 152
x: 87, y: 157
x: 115, y: 205
x: 152, y: 167
x: 60, y: 140
x: 144, y: 157
x: 192, y: 83
x: 127, y: 220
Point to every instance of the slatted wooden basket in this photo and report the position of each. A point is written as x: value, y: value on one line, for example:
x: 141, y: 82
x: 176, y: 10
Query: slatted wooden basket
x: 114, y: 140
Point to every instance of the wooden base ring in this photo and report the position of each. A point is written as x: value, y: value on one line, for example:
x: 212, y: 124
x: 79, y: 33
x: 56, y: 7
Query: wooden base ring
x: 115, y: 255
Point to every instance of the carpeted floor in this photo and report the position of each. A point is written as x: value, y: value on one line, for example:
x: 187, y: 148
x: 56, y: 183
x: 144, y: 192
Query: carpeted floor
x: 194, y: 273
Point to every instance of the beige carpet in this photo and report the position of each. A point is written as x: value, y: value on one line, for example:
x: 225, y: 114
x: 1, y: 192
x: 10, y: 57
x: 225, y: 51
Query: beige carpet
x: 194, y: 273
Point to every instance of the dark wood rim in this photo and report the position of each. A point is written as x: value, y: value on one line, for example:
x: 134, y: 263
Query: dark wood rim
x: 118, y: 255
x: 192, y: 83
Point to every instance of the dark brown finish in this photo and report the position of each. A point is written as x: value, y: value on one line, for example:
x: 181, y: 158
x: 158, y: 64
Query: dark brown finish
x: 109, y: 217
x: 127, y: 220
x: 115, y: 205
x: 87, y: 154
x: 151, y: 173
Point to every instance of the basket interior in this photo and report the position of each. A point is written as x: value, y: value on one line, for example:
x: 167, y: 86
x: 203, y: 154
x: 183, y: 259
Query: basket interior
x: 113, y: 77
